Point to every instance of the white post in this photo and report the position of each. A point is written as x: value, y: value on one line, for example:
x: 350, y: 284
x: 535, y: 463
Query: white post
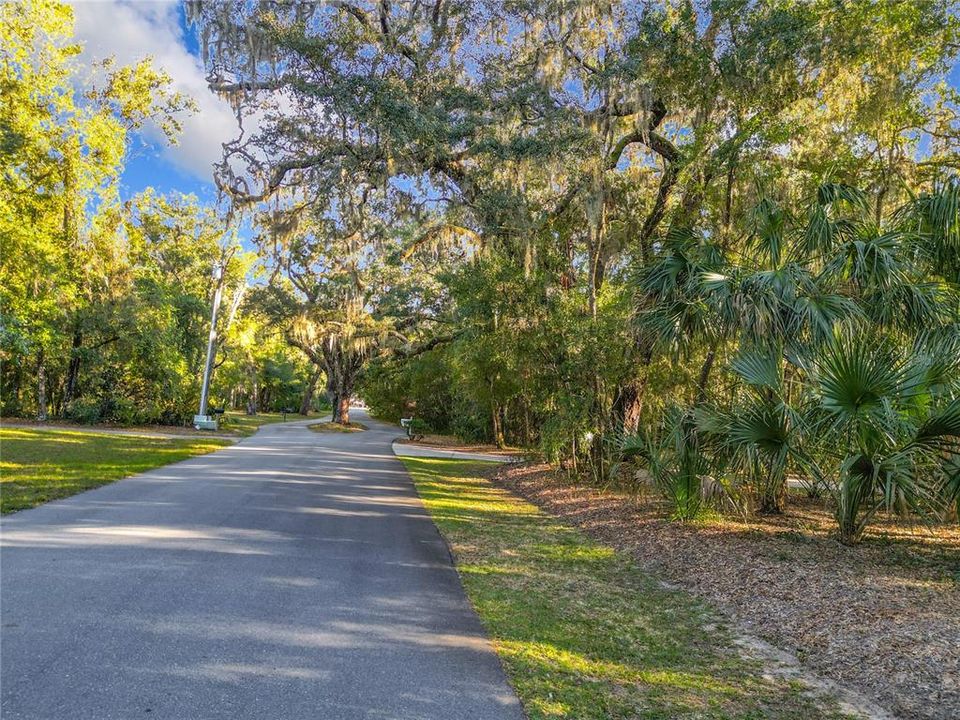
x: 211, y: 348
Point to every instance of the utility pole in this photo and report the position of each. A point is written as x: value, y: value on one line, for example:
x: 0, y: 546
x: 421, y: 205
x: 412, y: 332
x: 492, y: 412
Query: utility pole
x: 202, y: 421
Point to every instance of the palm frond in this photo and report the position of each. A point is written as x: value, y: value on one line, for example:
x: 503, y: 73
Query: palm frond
x: 857, y: 375
x: 832, y: 193
x: 759, y: 367
x: 941, y: 430
x: 821, y: 313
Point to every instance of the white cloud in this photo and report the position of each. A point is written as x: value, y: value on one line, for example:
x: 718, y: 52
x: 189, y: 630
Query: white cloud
x: 130, y: 31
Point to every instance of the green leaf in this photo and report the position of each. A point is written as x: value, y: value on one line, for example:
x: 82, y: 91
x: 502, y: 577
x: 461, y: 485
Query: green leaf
x: 759, y: 367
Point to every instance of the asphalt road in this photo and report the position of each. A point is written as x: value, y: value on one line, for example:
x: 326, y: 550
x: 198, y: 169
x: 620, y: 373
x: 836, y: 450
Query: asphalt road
x: 293, y: 575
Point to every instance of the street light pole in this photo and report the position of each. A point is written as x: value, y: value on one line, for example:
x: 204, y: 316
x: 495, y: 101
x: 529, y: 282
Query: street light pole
x: 202, y: 420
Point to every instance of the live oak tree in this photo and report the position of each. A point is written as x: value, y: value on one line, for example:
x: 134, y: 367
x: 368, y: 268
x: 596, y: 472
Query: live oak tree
x: 325, y: 306
x: 573, y: 151
x: 343, y: 291
x: 359, y: 121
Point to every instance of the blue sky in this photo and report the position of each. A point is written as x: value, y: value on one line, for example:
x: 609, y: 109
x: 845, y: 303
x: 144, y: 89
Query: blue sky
x: 148, y: 164
x: 158, y: 28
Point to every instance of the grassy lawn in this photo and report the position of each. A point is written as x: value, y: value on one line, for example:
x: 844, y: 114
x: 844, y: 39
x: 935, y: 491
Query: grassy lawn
x: 581, y: 631
x: 40, y: 465
x: 337, y: 427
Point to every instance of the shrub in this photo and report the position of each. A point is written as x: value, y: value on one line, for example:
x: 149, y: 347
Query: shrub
x: 417, y: 428
x: 86, y: 412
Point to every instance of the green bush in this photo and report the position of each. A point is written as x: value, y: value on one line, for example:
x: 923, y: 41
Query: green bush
x: 418, y: 428
x: 86, y: 412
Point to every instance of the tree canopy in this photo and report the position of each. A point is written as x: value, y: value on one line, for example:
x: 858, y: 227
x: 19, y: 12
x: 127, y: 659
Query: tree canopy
x: 708, y: 246
x: 650, y: 230
x: 104, y: 302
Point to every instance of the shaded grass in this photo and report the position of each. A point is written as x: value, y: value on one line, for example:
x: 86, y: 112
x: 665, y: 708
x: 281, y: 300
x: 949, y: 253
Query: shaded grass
x: 335, y: 427
x: 39, y: 465
x: 581, y: 631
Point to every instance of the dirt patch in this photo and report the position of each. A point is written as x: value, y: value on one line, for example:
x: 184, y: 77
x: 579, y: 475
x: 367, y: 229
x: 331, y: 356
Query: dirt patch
x: 882, y: 618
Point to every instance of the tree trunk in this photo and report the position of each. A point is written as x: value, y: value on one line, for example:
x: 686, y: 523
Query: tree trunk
x: 73, y: 371
x: 308, y: 394
x: 253, y: 396
x: 628, y: 406
x: 497, y: 425
x: 527, y: 437
x: 342, y: 392
x: 341, y: 411
x: 705, y: 374
x: 342, y: 367
x: 773, y: 498
x: 774, y: 503
x: 41, y: 387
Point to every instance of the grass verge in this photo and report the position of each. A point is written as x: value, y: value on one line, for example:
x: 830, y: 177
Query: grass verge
x: 40, y: 465
x: 323, y: 427
x: 581, y: 631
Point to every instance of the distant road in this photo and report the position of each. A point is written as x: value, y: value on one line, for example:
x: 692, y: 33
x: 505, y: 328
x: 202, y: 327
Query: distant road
x: 292, y: 575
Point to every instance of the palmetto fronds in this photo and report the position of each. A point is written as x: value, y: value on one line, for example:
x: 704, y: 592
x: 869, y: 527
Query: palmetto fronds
x: 848, y: 368
x: 887, y: 427
x: 935, y: 217
x: 672, y: 457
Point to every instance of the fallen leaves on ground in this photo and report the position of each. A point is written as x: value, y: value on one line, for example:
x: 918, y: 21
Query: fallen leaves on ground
x: 882, y: 618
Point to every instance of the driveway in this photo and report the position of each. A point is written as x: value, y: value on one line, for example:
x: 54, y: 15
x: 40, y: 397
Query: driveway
x: 293, y: 575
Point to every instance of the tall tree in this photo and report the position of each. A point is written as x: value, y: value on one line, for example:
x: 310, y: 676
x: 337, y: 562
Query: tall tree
x: 61, y: 151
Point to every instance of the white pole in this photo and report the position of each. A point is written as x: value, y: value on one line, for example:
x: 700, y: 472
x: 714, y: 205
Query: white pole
x: 212, y: 341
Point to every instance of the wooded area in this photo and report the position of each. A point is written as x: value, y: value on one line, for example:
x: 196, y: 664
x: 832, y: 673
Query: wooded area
x: 709, y: 247
x: 712, y: 248
x: 106, y: 303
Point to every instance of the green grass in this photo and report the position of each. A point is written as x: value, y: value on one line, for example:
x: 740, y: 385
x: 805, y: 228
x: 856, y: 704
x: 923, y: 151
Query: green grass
x: 38, y: 465
x: 238, y: 423
x: 582, y: 632
x: 337, y: 427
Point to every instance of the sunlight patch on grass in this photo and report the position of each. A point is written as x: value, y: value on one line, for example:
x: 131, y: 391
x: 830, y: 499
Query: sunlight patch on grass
x: 581, y: 631
x: 41, y: 465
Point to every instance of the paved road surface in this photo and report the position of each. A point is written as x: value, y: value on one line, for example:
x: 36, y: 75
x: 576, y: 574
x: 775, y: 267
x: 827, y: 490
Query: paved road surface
x: 293, y: 575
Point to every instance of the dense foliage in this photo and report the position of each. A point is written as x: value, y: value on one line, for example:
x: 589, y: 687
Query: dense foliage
x: 710, y: 246
x: 106, y: 304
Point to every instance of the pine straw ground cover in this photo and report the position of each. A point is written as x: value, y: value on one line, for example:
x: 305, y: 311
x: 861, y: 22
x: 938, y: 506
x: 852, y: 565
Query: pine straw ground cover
x: 882, y: 618
x: 582, y: 631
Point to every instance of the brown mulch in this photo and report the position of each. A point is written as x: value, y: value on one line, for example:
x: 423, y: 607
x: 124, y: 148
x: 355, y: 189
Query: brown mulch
x: 881, y: 618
